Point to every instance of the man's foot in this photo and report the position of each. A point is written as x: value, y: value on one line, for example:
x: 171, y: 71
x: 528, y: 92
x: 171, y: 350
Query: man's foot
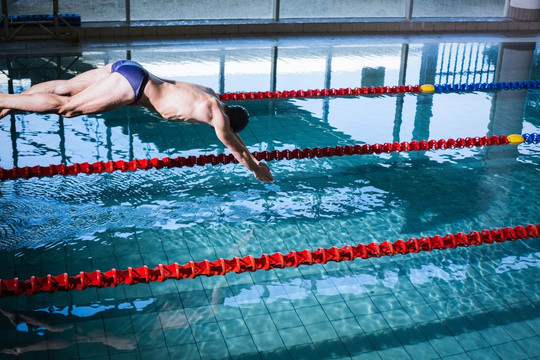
x: 4, y: 112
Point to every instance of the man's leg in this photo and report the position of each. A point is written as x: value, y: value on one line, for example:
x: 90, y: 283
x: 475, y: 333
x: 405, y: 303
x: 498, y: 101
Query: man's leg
x: 113, y: 92
x: 41, y: 88
x: 65, y: 87
x: 39, y: 102
x: 72, y: 86
x: 108, y: 94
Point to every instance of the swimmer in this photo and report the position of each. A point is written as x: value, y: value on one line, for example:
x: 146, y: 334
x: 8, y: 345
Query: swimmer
x: 126, y: 82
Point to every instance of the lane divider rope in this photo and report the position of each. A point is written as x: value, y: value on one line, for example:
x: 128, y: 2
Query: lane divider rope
x: 379, y: 90
x: 144, y: 274
x: 155, y: 163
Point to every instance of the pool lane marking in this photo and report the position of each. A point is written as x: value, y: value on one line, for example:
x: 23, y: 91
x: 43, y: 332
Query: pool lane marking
x: 143, y: 274
x: 155, y: 163
x: 379, y: 90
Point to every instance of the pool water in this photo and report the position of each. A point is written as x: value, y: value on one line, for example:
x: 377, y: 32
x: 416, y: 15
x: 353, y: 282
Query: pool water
x: 466, y: 303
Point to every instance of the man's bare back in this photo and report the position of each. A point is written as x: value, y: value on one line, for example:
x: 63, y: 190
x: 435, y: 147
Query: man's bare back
x: 125, y: 83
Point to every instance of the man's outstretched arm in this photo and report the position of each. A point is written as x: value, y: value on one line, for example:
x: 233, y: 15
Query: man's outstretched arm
x: 259, y: 169
x: 237, y: 147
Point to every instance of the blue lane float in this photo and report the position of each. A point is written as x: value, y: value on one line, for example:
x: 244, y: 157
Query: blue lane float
x: 533, y: 138
x: 503, y: 85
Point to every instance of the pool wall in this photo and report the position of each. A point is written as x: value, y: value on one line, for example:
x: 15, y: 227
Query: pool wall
x: 135, y: 19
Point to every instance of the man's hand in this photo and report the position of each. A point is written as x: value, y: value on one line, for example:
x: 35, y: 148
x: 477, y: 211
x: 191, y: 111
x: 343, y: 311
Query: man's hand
x: 263, y: 173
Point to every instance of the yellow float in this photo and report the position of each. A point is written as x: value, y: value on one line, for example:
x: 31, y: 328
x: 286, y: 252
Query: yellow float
x: 427, y: 88
x: 515, y: 139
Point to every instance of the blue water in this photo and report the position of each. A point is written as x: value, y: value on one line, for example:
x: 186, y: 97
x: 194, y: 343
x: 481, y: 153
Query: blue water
x: 470, y: 303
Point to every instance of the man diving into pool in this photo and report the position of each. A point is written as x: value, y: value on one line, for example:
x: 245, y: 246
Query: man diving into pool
x: 126, y: 82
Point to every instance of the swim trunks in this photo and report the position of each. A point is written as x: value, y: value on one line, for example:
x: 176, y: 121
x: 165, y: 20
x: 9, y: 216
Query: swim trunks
x: 135, y: 74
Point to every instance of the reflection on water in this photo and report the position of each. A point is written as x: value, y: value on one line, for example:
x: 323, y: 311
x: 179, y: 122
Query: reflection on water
x: 53, y: 337
x: 365, y: 280
x: 518, y: 262
x: 427, y: 272
x: 93, y: 309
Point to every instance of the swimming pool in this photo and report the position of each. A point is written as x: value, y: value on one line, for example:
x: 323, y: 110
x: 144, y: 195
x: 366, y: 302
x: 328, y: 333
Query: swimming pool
x: 476, y: 302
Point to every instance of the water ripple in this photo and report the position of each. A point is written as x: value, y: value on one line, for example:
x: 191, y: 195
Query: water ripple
x: 38, y: 211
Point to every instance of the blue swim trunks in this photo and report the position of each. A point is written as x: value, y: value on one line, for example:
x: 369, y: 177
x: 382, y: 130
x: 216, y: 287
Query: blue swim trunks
x: 134, y: 73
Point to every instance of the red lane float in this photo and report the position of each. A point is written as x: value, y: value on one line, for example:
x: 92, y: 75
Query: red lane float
x: 380, y: 90
x: 144, y: 274
x: 316, y: 93
x: 146, y: 164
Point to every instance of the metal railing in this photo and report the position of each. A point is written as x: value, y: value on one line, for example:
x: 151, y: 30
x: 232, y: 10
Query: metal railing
x: 45, y: 26
x: 466, y: 63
